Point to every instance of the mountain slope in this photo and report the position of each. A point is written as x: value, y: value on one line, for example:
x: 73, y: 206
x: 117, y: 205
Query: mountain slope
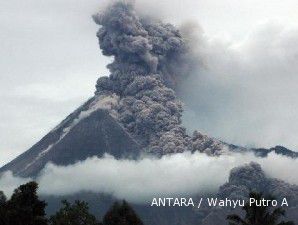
x: 89, y: 131
x: 280, y: 150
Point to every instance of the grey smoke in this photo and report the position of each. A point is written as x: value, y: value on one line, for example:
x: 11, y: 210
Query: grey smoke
x: 245, y: 93
x: 138, y: 181
x: 150, y: 58
x: 251, y: 177
x: 227, y: 92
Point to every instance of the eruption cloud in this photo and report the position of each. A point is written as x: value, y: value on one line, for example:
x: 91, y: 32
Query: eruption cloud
x: 150, y: 58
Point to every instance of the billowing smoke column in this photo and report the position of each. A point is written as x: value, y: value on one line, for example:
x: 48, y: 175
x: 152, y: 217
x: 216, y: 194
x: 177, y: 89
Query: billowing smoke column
x: 149, y: 59
x: 251, y: 177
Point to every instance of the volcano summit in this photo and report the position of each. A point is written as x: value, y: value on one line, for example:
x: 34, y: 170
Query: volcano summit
x: 135, y: 109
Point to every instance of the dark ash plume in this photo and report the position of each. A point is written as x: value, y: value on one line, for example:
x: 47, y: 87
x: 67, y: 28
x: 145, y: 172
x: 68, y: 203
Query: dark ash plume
x: 251, y: 177
x: 149, y: 59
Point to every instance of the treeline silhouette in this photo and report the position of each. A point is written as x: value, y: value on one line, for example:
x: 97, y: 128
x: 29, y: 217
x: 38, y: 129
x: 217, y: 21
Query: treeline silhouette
x: 25, y: 208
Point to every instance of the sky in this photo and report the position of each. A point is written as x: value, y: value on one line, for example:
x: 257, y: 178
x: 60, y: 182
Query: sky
x: 50, y: 61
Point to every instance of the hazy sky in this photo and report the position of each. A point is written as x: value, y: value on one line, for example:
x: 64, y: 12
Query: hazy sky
x: 50, y: 60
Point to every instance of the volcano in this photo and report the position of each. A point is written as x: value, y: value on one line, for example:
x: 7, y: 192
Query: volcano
x: 88, y: 131
x: 135, y: 111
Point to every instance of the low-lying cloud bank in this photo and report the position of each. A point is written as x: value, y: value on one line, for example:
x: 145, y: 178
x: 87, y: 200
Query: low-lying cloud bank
x: 138, y: 181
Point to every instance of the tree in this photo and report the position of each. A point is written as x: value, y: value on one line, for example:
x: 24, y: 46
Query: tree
x: 24, y: 207
x: 3, y: 213
x: 74, y: 214
x: 121, y: 214
x: 259, y: 215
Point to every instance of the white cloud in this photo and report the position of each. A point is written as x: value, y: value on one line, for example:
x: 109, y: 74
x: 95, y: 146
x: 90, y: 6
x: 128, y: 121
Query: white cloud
x: 8, y: 182
x: 138, y: 181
